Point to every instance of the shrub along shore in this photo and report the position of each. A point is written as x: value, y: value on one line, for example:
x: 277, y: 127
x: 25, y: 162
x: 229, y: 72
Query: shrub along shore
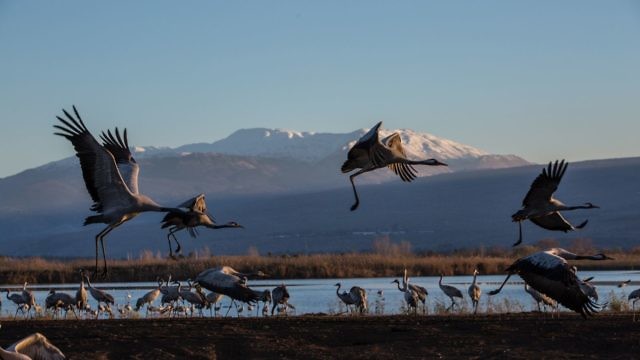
x: 348, y: 265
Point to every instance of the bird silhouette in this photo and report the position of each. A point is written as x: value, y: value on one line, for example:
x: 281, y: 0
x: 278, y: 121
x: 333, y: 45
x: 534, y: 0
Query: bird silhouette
x: 541, y: 208
x: 110, y: 175
x: 195, y: 214
x: 369, y: 153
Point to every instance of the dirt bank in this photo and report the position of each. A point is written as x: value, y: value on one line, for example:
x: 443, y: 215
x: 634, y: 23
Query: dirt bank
x: 522, y: 336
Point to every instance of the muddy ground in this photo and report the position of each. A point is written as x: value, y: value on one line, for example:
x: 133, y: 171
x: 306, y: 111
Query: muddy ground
x: 520, y: 336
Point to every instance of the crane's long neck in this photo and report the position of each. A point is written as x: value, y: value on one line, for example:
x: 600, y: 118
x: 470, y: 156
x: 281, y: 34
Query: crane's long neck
x: 216, y: 226
x: 567, y: 208
x: 590, y: 257
x: 337, y: 291
x: 399, y: 288
x: 440, y: 282
x: 89, y: 282
x: 475, y: 276
x: 422, y: 162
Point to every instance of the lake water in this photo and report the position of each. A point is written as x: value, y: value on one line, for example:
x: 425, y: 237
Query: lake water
x: 319, y: 295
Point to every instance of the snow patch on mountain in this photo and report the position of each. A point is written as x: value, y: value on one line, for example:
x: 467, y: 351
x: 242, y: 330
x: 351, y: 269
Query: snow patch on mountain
x: 314, y: 146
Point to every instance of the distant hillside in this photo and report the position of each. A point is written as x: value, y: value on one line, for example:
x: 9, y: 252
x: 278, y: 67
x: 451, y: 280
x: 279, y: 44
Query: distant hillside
x: 440, y: 212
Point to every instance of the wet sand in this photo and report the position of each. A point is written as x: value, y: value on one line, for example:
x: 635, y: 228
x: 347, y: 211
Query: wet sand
x: 518, y: 336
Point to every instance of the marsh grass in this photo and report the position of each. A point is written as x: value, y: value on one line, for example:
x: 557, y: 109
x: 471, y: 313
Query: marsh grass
x: 349, y: 265
x: 618, y: 303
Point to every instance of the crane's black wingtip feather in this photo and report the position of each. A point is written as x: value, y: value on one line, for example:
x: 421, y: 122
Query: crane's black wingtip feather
x: 583, y: 224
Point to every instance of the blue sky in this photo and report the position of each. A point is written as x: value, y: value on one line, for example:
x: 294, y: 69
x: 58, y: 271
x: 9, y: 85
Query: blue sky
x: 540, y: 79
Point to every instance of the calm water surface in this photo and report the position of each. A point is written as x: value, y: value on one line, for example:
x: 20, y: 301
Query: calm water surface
x: 319, y: 295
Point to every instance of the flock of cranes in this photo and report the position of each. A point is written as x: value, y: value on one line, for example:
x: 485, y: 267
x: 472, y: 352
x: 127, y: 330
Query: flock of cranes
x: 110, y: 175
x: 581, y: 297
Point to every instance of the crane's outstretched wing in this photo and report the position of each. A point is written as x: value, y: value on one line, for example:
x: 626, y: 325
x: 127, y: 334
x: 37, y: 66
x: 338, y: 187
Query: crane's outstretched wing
x: 37, y: 346
x: 393, y: 143
x: 362, y: 150
x: 567, y: 292
x: 552, y: 276
x: 99, y: 170
x: 546, y: 183
x: 370, y: 137
x: 555, y: 221
x: 198, y: 204
x: 222, y: 283
x: 127, y: 165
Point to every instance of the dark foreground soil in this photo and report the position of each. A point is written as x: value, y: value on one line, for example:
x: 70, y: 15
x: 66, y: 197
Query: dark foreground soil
x: 521, y: 336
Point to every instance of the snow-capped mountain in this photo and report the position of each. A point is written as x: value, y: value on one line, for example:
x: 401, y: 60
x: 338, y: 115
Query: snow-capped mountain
x: 312, y: 146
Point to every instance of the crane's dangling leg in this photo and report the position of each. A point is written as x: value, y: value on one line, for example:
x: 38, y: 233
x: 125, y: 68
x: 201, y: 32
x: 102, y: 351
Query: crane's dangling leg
x: 169, y: 241
x: 169, y: 236
x: 519, y: 234
x: 355, y: 193
x: 494, y: 292
x: 178, y: 246
x: 104, y: 231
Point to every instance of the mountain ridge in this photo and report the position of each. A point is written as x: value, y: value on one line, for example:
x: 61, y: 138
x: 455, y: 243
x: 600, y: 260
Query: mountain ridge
x: 442, y: 212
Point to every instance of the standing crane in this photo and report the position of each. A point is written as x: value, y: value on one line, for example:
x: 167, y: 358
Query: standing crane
x: 540, y: 298
x: 450, y: 291
x: 541, y: 208
x: 635, y: 296
x: 99, y: 295
x: 420, y: 291
x: 410, y: 296
x: 17, y: 299
x: 197, y: 299
x: 369, y: 153
x: 81, y: 295
x: 58, y: 300
x: 169, y: 293
x: 549, y: 273
x: 34, y: 346
x: 356, y: 296
x: 149, y: 297
x: 475, y: 292
x: 265, y: 298
x: 29, y: 299
x: 110, y: 175
x: 280, y: 297
x: 194, y: 214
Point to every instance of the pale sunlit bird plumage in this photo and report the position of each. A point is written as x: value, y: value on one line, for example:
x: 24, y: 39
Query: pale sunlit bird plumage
x: 356, y: 296
x: 549, y: 273
x: 110, y: 175
x: 474, y: 291
x: 227, y: 281
x: 33, y: 347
